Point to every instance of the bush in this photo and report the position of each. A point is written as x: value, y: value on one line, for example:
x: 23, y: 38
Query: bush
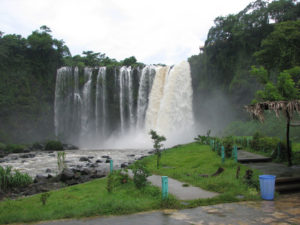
x: 9, y: 180
x: 54, y: 145
x: 115, y: 179
x: 2, y: 146
x: 228, y: 145
x: 14, y: 148
x: 141, y: 173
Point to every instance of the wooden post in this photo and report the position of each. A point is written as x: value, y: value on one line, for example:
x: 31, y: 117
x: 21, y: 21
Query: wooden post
x: 223, y: 154
x: 164, y: 187
x: 111, y: 165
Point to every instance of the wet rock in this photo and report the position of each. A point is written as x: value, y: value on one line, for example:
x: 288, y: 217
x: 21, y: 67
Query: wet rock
x: 86, y: 171
x: 72, y: 182
x: 93, y: 165
x: 98, y: 161
x: 132, y: 155
x: 124, y: 165
x: 107, y: 161
x: 26, y: 156
x: 105, y: 157
x: 151, y: 152
x: 91, y: 157
x: 70, y: 147
x: 52, y: 155
x: 66, y: 174
x: 48, y: 170
x: 14, y: 158
x: 84, y: 159
x: 2, y: 160
x: 40, y: 179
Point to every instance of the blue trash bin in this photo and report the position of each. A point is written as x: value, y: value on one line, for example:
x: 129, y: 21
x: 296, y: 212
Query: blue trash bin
x: 267, y: 186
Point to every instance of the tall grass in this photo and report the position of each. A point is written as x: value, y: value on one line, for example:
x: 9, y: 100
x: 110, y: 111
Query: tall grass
x: 11, y: 179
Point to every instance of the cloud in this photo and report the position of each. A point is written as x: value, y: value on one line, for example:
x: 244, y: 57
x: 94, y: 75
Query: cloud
x: 153, y: 31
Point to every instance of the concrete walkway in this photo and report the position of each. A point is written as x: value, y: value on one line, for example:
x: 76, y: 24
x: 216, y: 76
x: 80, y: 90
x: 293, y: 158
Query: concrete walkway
x: 284, y: 210
x: 278, y: 169
x: 177, y: 188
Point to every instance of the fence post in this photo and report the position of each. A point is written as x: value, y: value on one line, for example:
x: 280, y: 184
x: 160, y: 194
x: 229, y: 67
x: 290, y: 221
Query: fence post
x: 235, y: 154
x: 164, y: 187
x: 111, y: 165
x: 223, y: 154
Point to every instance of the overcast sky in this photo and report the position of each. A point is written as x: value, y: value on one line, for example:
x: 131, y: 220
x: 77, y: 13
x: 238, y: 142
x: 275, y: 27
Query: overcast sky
x: 154, y: 31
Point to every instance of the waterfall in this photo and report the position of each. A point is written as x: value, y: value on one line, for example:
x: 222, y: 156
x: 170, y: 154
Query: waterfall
x: 87, y: 102
x: 145, y: 85
x: 102, y: 106
x: 155, y: 98
x: 100, y: 109
x: 176, y: 112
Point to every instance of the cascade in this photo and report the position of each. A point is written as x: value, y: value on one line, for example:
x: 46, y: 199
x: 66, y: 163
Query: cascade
x: 97, y: 107
x: 145, y: 85
x: 87, y: 102
x: 100, y: 109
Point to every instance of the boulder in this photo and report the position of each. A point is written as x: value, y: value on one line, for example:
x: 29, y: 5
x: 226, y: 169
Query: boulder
x: 66, y: 174
x: 28, y: 155
x: 84, y: 159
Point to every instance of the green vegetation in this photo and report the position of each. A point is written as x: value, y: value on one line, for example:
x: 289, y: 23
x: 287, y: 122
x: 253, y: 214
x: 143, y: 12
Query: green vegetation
x: 54, y: 145
x: 14, y: 148
x: 188, y: 163
x: 61, y: 161
x: 140, y: 174
x: 157, y: 139
x: 12, y: 179
x: 83, y: 200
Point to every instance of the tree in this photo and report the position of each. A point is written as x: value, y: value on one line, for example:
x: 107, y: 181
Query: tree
x: 157, y: 139
x: 283, y: 93
x: 281, y: 49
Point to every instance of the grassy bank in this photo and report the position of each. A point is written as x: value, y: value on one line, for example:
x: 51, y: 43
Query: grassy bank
x: 184, y: 163
x: 188, y: 162
x: 84, y: 200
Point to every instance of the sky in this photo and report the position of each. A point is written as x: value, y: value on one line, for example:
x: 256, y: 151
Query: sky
x: 156, y: 31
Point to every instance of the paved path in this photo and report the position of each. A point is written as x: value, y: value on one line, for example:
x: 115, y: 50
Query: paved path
x: 278, y: 169
x: 177, y: 189
x: 284, y: 210
x: 245, y: 156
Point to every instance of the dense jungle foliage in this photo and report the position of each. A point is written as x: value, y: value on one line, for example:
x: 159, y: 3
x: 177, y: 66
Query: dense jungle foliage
x: 250, y: 56
x: 254, y: 54
x: 27, y: 82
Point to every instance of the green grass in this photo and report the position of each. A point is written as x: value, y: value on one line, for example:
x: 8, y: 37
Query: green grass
x: 184, y: 163
x: 187, y: 162
x: 84, y: 200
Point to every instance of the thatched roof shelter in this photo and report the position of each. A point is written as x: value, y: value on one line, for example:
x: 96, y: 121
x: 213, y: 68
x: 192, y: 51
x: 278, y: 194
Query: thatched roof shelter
x: 288, y: 109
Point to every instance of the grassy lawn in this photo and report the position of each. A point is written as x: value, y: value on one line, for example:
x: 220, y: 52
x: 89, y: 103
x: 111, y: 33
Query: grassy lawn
x: 88, y: 199
x: 184, y: 163
x: 187, y: 162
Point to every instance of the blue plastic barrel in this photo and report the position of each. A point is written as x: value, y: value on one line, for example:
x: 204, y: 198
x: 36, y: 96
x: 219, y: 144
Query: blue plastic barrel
x: 267, y: 186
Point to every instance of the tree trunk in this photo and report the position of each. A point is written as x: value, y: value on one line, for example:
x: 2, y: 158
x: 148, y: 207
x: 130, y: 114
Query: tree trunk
x: 289, y: 154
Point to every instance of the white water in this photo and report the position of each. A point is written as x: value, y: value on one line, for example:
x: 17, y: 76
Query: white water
x: 117, y: 109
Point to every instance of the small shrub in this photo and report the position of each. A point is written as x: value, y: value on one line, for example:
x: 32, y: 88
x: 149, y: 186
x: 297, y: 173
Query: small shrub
x: 228, y: 145
x: 61, y: 161
x: 255, y: 140
x: 9, y: 180
x: 115, y: 179
x: 54, y: 145
x: 2, y: 146
x: 44, y: 197
x: 157, y: 139
x: 14, y: 148
x: 141, y: 173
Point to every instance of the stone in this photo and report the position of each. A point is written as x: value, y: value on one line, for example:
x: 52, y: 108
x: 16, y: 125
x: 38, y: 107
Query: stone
x: 84, y: 159
x: 91, y: 157
x: 66, y: 174
x: 124, y: 165
x: 105, y: 157
x: 48, y: 170
x: 26, y: 156
x: 98, y: 161
x: 40, y: 179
